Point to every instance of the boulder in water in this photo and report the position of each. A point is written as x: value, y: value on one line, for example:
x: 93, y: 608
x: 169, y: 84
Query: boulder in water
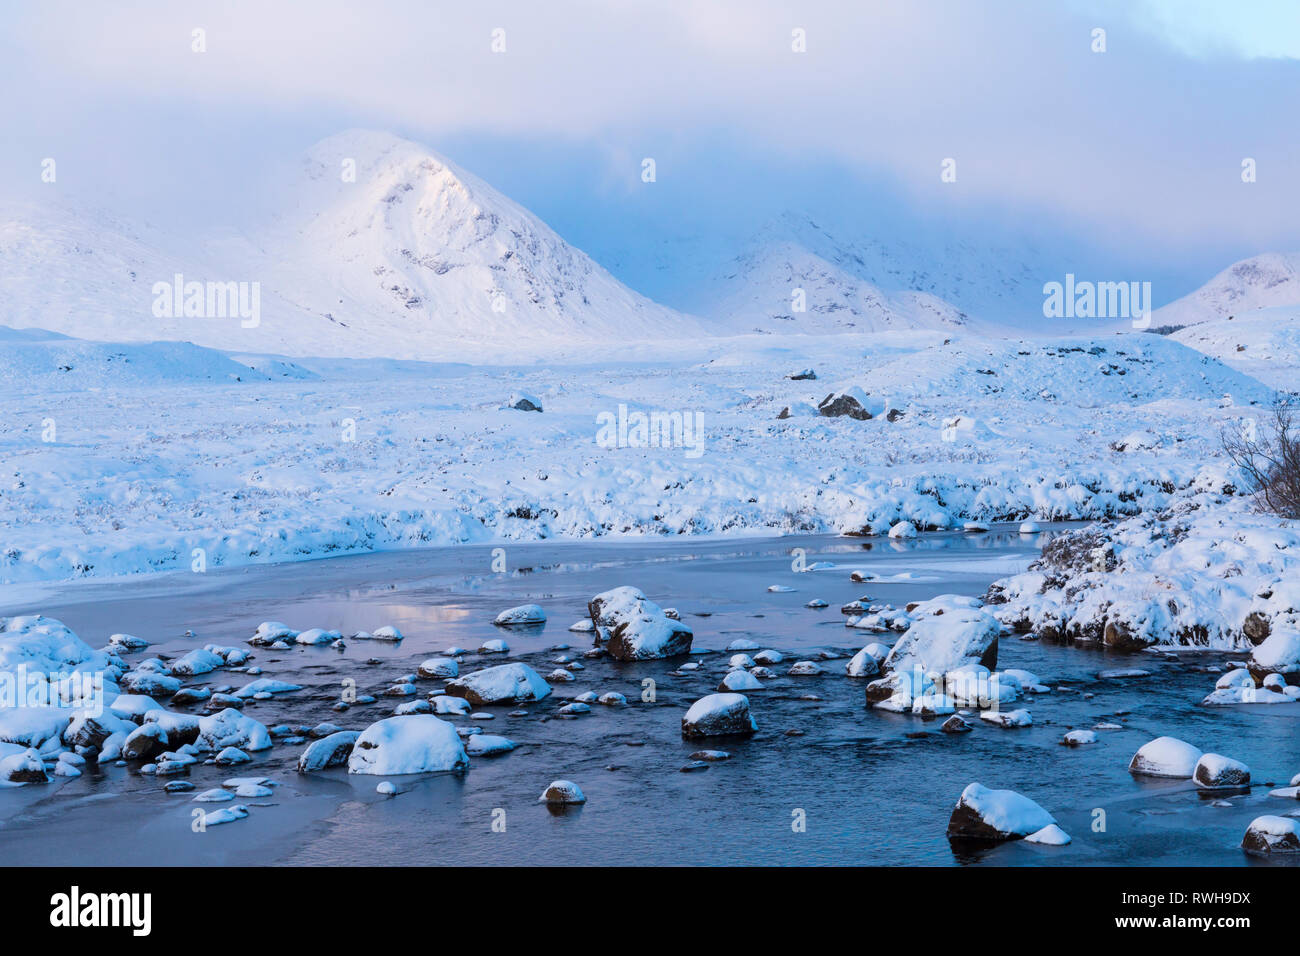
x: 419, y: 743
x: 512, y: 683
x: 995, y: 815
x: 718, y: 715
x: 634, y: 628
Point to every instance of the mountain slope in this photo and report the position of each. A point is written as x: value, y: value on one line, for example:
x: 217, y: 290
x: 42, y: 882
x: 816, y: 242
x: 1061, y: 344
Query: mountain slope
x: 763, y: 285
x: 867, y: 284
x: 1260, y: 282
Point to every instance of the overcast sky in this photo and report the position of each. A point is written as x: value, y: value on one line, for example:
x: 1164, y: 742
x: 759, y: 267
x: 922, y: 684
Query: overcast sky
x: 1134, y: 153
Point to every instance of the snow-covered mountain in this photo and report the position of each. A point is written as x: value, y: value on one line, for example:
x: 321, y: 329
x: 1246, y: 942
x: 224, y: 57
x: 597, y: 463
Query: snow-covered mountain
x: 785, y: 287
x: 382, y: 248
x: 423, y: 251
x: 1260, y: 282
x: 866, y: 285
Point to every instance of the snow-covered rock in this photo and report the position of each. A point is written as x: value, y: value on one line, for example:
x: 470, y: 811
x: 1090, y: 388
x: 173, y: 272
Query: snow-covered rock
x: 316, y: 636
x: 995, y: 815
x: 1165, y: 757
x: 420, y: 743
x: 864, y: 663
x: 268, y: 632
x: 230, y: 728
x: 739, y: 680
x: 265, y: 685
x: 632, y: 627
x: 1270, y: 834
x: 1007, y: 718
x: 23, y: 767
x: 804, y: 669
x: 446, y: 706
x: 488, y: 745
x: 562, y: 793
x: 948, y: 632
x: 197, y: 661
x: 853, y: 402
x: 1079, y: 738
x: 1278, y: 654
x: 504, y: 684
x: 439, y: 667
x: 1217, y: 772
x: 904, y: 529
x: 523, y: 614
x: 331, y: 751
x: 718, y: 715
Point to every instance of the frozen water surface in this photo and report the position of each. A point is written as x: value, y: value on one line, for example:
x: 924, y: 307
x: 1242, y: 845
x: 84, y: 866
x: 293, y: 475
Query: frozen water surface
x: 874, y: 787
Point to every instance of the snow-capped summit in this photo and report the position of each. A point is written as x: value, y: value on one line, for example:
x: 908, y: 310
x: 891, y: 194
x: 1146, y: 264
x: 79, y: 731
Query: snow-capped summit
x: 1261, y: 282
x: 383, y: 231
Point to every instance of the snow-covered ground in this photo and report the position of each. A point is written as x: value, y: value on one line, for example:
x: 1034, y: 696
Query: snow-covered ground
x: 122, y: 459
x: 1209, y: 570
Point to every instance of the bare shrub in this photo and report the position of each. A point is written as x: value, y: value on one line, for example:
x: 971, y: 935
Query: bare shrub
x: 1270, y: 462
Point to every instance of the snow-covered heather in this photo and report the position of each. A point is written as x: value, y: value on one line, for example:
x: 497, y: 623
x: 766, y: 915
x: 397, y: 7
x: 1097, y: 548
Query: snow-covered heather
x: 122, y: 459
x: 1264, y: 344
x: 1208, y: 570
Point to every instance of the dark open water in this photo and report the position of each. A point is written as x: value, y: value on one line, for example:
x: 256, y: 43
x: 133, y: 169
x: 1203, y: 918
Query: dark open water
x: 870, y: 793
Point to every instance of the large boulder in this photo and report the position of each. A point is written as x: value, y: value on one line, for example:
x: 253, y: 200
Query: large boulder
x: 993, y: 816
x: 1269, y: 834
x: 419, y: 743
x: 634, y: 628
x: 719, y: 715
x: 1165, y: 757
x: 512, y: 683
x: 331, y: 751
x: 948, y: 632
